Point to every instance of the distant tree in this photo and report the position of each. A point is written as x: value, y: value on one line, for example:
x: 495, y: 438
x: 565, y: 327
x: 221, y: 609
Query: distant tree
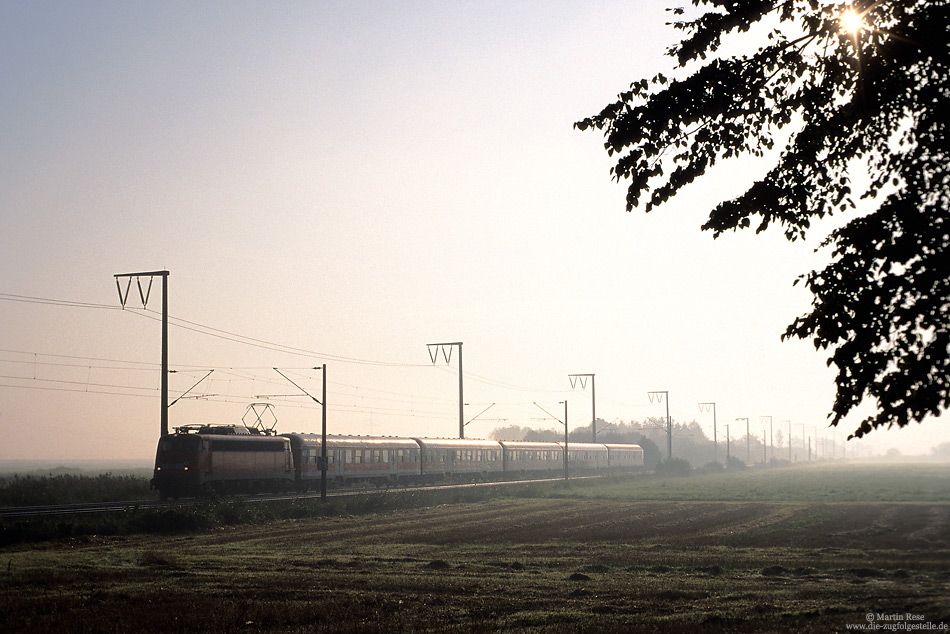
x: 942, y: 451
x: 510, y: 432
x: 651, y: 453
x: 544, y: 435
x: 863, y: 92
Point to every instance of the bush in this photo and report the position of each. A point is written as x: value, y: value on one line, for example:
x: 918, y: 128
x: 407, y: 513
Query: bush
x: 734, y: 464
x: 73, y: 489
x: 674, y: 467
x: 713, y: 467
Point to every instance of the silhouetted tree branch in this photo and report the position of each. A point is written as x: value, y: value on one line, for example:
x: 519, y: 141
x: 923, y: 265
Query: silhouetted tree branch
x: 877, y: 100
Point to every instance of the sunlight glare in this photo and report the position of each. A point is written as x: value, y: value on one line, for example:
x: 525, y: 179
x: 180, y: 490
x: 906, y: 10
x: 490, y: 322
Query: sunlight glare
x: 851, y: 22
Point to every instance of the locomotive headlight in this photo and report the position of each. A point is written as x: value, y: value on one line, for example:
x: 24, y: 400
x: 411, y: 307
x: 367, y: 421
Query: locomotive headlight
x: 186, y: 468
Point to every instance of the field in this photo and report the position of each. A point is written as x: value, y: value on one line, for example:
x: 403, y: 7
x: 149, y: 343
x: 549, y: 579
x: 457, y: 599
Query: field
x: 785, y: 550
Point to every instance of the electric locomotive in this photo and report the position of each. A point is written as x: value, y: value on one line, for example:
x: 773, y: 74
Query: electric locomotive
x: 226, y: 459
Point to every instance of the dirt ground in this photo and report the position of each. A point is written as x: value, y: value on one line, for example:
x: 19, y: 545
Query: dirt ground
x: 531, y: 565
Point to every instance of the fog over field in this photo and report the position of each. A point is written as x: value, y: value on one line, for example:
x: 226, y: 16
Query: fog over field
x: 795, y: 549
x: 345, y: 183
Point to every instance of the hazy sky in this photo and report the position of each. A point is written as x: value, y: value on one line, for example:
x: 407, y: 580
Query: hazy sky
x: 354, y: 180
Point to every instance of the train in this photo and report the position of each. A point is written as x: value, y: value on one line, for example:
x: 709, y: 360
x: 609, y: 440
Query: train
x: 199, y: 459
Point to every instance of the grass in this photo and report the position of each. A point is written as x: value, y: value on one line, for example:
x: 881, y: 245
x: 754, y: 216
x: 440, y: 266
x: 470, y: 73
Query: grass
x: 590, y: 558
x: 73, y: 489
x: 822, y: 482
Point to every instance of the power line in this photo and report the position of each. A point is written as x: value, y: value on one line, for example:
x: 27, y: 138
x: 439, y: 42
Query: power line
x: 206, y: 330
x: 269, y: 345
x: 219, y: 399
x: 241, y: 374
x: 68, y: 356
x: 67, y: 382
x: 495, y: 383
x: 27, y: 299
x: 67, y: 389
x: 249, y: 341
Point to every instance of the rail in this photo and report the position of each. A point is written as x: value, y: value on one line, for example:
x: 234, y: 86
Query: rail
x: 14, y: 513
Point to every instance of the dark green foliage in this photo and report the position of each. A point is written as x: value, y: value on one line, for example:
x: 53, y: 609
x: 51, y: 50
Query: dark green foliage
x: 713, y: 467
x: 876, y: 102
x: 674, y: 467
x: 734, y: 464
x: 73, y: 489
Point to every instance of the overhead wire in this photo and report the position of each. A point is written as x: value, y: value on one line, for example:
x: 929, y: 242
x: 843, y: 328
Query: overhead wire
x: 10, y: 297
x: 254, y: 342
x: 269, y: 345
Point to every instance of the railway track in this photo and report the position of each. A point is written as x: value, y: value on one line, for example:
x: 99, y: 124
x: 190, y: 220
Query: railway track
x: 56, y: 510
x: 15, y: 513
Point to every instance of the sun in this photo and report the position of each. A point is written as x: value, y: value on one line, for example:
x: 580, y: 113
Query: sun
x: 851, y: 22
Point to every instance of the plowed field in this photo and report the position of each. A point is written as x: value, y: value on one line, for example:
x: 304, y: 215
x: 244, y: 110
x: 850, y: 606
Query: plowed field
x: 544, y: 565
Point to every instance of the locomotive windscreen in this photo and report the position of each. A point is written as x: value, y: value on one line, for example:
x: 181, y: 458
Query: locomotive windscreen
x: 180, y: 443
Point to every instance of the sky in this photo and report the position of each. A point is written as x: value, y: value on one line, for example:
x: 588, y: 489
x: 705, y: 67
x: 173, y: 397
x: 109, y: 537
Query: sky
x: 344, y: 183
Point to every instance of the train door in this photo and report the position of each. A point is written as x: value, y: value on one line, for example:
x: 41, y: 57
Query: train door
x: 335, y: 468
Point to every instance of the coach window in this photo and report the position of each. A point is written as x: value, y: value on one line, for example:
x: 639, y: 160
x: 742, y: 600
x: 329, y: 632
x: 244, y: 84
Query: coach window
x: 349, y: 456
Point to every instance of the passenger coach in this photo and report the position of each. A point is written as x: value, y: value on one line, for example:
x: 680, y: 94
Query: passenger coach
x: 459, y: 457
x: 355, y: 458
